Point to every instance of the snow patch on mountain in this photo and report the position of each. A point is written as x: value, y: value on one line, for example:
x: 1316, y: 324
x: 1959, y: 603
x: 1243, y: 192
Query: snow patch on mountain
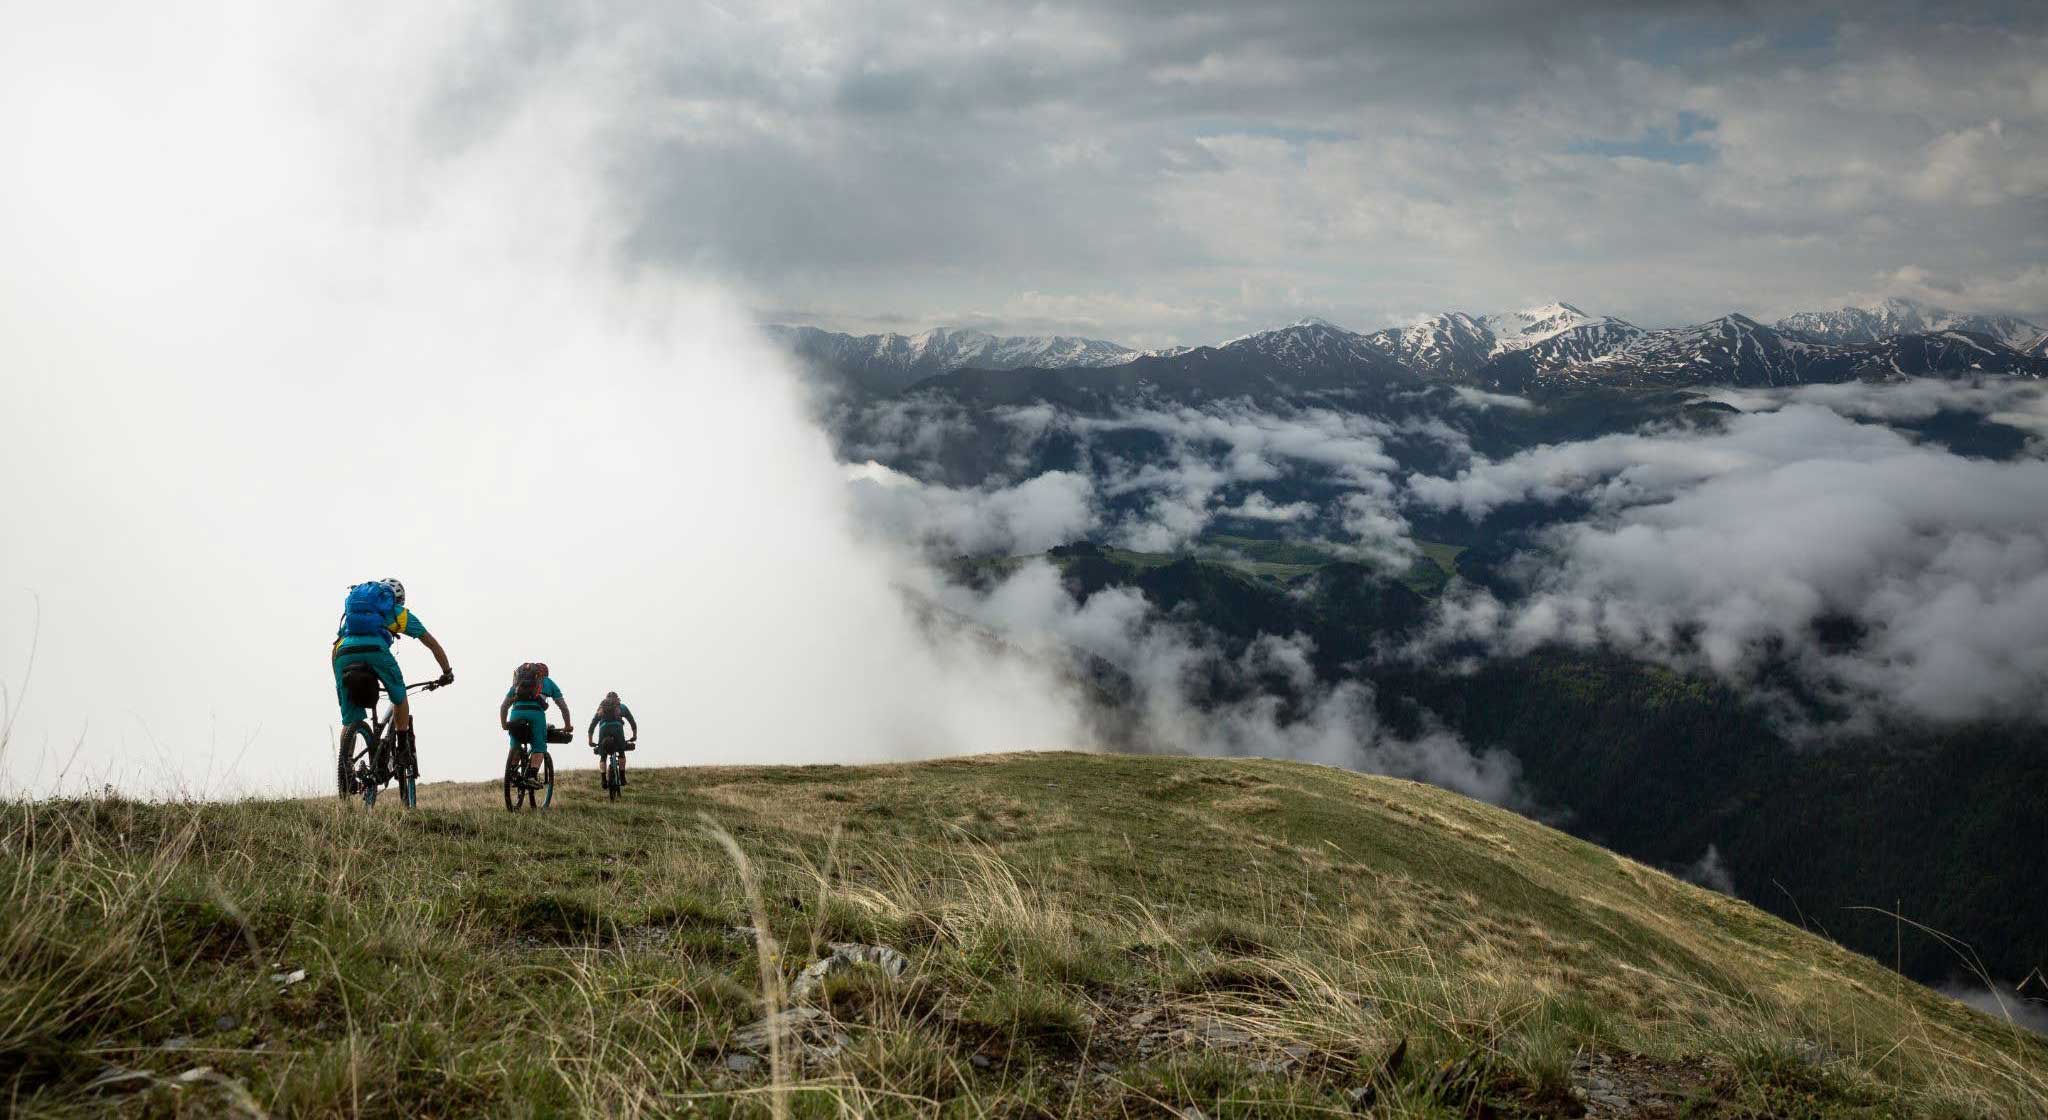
x: 1533, y: 326
x: 1447, y: 344
x: 1733, y: 349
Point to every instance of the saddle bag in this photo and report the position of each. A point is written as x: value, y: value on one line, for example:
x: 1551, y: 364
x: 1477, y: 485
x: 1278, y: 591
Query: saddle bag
x: 359, y: 682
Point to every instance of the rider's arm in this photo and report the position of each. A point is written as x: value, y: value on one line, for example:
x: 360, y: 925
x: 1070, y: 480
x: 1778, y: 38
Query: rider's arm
x: 504, y: 721
x: 567, y: 719
x: 592, y: 733
x: 628, y: 713
x: 434, y: 647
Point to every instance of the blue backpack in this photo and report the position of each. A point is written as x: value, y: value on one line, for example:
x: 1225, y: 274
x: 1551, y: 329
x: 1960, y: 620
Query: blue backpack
x: 370, y: 608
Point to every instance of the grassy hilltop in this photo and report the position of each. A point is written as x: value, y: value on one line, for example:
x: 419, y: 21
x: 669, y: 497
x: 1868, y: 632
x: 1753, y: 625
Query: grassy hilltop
x: 1085, y: 936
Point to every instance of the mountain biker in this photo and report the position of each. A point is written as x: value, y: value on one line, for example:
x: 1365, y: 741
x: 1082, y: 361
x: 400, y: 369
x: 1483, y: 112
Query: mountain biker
x: 608, y: 734
x: 524, y: 714
x: 372, y: 617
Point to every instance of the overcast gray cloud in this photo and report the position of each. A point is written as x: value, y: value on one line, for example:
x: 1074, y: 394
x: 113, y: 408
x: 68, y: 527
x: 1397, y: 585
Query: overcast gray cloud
x: 1181, y: 172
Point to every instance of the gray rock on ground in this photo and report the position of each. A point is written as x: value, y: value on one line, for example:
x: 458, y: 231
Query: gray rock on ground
x: 846, y: 955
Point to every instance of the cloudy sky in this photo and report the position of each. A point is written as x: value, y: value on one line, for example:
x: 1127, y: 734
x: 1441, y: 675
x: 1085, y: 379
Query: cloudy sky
x: 299, y: 296
x: 1158, y: 172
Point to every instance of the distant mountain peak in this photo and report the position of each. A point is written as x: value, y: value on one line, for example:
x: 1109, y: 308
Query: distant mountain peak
x: 1535, y: 326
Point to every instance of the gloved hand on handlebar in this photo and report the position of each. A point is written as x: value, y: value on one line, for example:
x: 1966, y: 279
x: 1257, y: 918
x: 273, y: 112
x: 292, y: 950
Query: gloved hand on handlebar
x: 446, y: 678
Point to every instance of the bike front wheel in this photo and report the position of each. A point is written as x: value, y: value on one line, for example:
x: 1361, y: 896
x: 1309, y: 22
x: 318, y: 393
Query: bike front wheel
x: 611, y: 777
x: 405, y: 767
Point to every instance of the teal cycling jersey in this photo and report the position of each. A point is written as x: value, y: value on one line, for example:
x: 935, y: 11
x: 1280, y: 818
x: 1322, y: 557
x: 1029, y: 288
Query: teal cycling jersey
x: 624, y: 717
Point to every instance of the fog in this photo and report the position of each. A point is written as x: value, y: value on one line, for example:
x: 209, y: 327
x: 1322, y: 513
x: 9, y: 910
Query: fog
x: 1162, y: 657
x: 265, y: 333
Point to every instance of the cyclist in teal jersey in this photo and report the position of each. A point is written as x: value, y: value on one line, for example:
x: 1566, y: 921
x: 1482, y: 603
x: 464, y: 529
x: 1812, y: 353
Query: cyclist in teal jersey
x: 607, y: 730
x: 525, y: 717
x: 365, y: 637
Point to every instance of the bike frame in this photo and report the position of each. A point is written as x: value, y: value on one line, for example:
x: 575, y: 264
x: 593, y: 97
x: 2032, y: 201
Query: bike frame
x: 605, y: 761
x: 380, y: 739
x: 516, y: 757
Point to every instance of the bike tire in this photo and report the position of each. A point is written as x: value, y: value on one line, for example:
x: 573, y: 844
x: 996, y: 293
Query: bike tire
x: 546, y: 795
x: 345, y: 759
x: 611, y: 777
x: 406, y: 765
x: 515, y: 792
x: 379, y: 768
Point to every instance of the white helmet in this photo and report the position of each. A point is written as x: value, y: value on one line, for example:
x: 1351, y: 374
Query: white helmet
x: 397, y: 589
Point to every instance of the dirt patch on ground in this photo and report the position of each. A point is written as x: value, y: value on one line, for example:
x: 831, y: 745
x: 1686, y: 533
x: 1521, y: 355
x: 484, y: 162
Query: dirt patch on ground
x: 797, y: 809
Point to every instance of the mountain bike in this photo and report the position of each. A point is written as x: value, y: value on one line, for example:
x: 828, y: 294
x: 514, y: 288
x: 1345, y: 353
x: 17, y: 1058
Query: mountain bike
x: 371, y: 755
x: 539, y: 791
x: 612, y: 770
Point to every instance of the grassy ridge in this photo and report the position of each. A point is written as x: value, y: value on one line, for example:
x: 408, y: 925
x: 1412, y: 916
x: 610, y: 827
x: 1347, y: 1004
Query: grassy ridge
x: 1087, y: 936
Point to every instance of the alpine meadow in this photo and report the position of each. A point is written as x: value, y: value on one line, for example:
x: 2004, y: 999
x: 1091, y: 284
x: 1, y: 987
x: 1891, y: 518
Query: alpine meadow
x: 1175, y: 560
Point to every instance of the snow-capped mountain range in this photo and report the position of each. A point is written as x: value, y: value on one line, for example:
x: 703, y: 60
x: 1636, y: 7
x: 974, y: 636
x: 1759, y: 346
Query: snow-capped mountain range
x: 1455, y: 344
x: 888, y: 362
x: 1892, y: 317
x: 1555, y: 343
x: 1309, y: 344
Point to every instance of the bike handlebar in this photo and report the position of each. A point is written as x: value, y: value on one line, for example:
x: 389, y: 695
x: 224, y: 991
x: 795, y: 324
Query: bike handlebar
x: 428, y: 685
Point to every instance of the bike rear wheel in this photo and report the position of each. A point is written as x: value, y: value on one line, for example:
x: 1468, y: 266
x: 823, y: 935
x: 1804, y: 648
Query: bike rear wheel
x: 354, y: 740
x: 515, y: 779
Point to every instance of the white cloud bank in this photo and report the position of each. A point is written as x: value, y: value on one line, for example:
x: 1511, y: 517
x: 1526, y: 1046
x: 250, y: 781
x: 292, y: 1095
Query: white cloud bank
x: 1719, y: 547
x: 1032, y: 516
